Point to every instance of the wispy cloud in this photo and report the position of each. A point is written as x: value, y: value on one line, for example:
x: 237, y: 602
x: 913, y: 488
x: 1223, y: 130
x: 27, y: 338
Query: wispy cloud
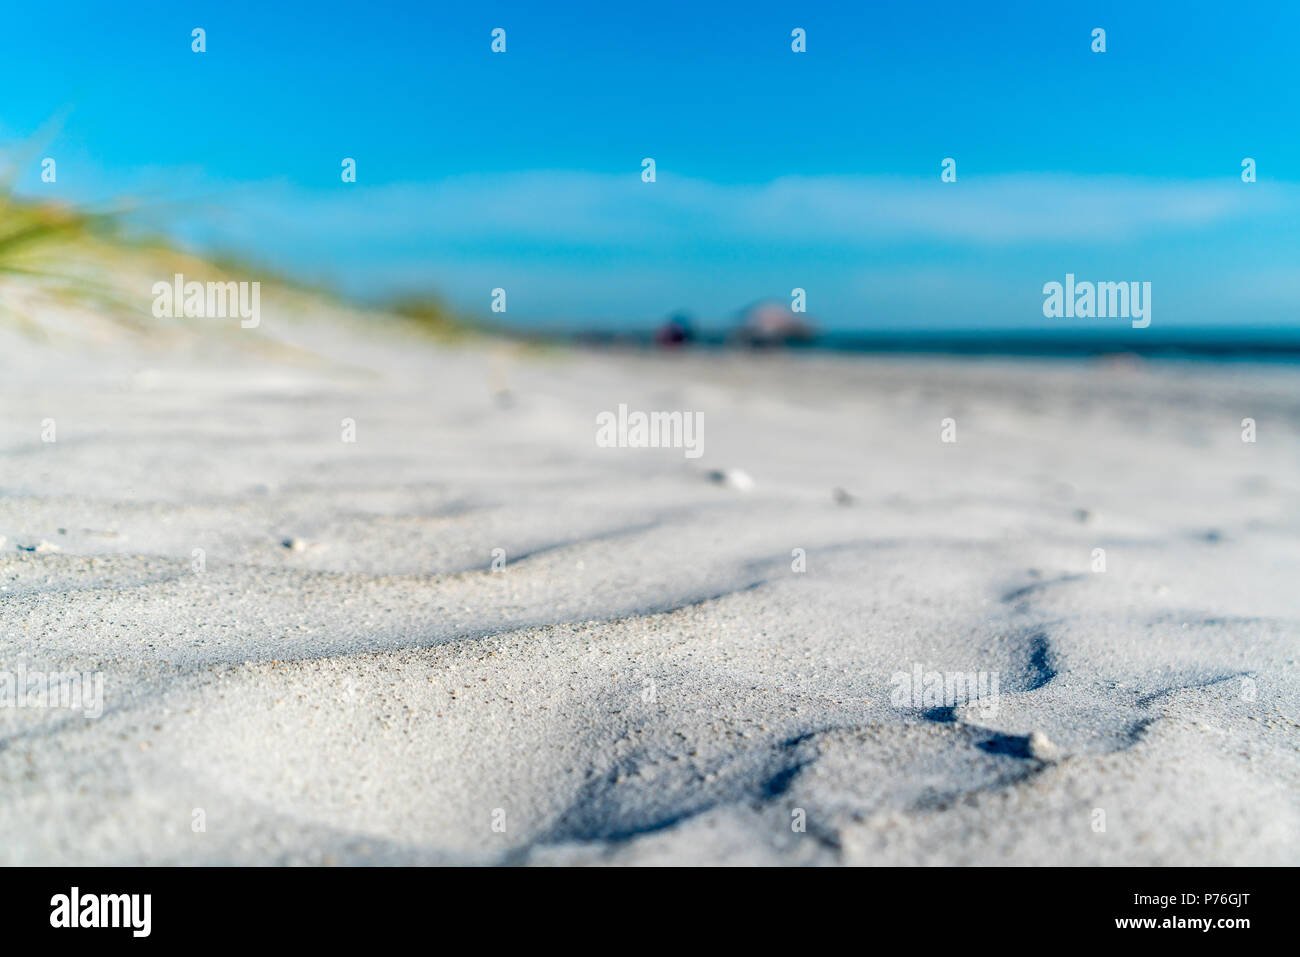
x: 586, y: 246
x: 573, y: 208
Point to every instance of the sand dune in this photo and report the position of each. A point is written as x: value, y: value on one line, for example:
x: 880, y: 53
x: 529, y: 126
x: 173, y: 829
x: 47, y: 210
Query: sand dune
x: 342, y: 677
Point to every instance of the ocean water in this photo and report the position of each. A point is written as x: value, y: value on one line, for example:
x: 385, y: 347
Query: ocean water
x: 1277, y: 344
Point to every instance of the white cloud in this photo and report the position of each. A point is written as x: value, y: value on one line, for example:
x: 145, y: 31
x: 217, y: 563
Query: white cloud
x: 582, y: 246
x: 583, y: 209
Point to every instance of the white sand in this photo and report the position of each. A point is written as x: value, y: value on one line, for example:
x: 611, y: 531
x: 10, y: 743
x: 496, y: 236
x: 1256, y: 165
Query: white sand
x: 376, y: 694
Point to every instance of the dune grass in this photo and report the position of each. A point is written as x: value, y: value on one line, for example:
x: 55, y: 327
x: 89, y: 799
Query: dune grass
x: 32, y: 234
x: 84, y: 254
x: 434, y: 318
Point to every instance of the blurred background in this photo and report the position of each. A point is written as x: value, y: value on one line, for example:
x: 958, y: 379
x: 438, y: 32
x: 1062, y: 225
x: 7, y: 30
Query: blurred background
x: 774, y: 170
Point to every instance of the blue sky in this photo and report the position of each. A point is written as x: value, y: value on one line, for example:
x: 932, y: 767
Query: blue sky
x: 774, y: 169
